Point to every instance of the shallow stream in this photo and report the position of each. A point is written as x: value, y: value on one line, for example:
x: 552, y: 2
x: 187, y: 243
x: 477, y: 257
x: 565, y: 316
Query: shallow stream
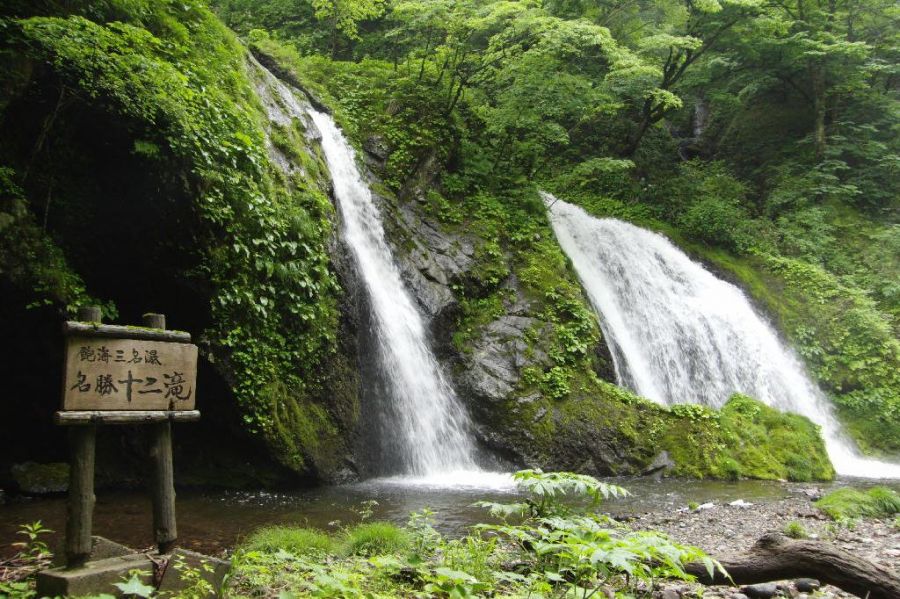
x: 212, y: 522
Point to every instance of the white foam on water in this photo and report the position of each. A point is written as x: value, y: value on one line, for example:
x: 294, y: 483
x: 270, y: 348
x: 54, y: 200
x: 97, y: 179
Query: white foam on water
x: 431, y: 428
x: 678, y: 334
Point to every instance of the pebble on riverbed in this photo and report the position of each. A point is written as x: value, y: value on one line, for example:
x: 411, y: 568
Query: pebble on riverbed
x: 724, y: 532
x: 764, y: 590
x: 807, y: 585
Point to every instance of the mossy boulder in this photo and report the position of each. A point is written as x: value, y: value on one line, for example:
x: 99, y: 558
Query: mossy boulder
x: 41, y: 479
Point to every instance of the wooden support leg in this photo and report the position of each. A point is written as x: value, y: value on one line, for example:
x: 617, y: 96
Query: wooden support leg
x: 163, y: 472
x: 163, y: 487
x: 80, y: 510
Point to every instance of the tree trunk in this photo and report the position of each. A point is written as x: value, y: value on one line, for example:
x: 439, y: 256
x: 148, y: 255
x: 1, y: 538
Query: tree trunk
x: 775, y: 557
x: 819, y: 108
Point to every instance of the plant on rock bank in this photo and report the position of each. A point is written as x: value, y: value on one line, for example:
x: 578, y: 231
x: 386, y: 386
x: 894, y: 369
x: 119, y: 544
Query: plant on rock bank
x: 559, y: 547
x: 846, y: 505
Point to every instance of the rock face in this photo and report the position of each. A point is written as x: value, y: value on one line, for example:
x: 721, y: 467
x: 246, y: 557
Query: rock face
x: 326, y: 448
x: 498, y: 356
x: 488, y: 375
x: 430, y: 259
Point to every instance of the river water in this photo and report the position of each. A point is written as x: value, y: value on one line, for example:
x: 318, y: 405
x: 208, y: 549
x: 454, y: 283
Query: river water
x: 213, y: 522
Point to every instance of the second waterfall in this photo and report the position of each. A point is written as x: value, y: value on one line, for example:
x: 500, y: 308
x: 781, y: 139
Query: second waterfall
x: 678, y: 334
x: 425, y: 430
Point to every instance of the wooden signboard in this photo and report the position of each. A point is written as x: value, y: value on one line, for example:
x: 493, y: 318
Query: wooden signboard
x: 128, y: 374
x: 116, y: 374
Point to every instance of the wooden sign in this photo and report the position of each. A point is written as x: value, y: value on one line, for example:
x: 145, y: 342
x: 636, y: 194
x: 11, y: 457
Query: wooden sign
x: 105, y: 373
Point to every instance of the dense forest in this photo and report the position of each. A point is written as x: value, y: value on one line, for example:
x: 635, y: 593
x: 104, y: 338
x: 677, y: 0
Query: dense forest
x: 761, y: 138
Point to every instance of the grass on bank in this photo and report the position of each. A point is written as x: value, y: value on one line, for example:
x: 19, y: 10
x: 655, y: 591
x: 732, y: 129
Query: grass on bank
x: 551, y: 542
x: 849, y: 504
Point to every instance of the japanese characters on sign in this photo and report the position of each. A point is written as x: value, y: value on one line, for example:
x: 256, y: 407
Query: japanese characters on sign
x: 129, y: 374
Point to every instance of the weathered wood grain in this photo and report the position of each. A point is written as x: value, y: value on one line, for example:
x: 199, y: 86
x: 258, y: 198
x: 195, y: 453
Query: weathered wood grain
x: 129, y: 374
x: 88, y: 417
x: 775, y: 557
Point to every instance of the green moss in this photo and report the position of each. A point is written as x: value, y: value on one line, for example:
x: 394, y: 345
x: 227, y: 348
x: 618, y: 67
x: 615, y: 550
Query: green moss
x: 170, y: 75
x: 296, y: 540
x: 795, y: 530
x: 376, y: 538
x: 31, y: 477
x: 848, y: 503
x: 770, y: 444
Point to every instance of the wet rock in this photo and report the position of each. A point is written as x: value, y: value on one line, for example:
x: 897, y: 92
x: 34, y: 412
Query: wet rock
x: 429, y: 258
x: 377, y: 147
x: 670, y: 594
x: 661, y: 464
x: 760, y: 591
x: 807, y: 585
x: 813, y: 494
x: 41, y: 479
x: 496, y: 359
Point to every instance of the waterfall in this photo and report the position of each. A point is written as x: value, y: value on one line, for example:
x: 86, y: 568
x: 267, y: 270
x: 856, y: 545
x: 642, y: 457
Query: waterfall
x: 430, y: 433
x: 678, y: 334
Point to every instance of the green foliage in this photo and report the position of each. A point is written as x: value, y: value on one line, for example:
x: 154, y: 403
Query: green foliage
x: 178, y: 81
x: 299, y: 541
x: 135, y: 587
x: 579, y: 549
x: 574, y: 552
x: 795, y: 530
x: 32, y: 555
x: 376, y: 538
x: 849, y: 345
x: 196, y: 580
x: 708, y: 203
x: 30, y: 259
x: 848, y: 504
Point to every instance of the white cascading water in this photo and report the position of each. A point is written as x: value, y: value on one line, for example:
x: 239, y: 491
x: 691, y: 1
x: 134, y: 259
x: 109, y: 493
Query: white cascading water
x: 432, y: 431
x: 678, y: 334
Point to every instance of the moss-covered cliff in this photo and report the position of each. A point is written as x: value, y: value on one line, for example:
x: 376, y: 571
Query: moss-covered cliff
x: 141, y: 170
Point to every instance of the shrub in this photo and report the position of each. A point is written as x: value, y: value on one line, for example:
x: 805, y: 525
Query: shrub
x: 293, y: 539
x: 376, y: 538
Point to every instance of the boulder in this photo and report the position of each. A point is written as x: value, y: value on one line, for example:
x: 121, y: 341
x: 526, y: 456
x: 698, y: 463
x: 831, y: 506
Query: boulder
x: 807, y: 585
x: 41, y: 479
x: 660, y: 464
x: 764, y: 590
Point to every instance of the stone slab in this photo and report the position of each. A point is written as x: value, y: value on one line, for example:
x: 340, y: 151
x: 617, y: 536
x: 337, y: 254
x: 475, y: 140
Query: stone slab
x: 101, y: 548
x: 212, y: 569
x: 95, y: 577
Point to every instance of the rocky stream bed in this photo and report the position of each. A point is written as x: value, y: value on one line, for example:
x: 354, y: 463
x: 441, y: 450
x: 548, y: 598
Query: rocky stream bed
x: 723, y: 529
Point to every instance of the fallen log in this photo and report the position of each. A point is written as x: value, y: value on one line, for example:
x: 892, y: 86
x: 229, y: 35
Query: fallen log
x: 776, y: 557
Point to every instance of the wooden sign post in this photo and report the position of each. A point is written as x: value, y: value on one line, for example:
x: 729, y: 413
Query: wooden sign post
x: 123, y: 375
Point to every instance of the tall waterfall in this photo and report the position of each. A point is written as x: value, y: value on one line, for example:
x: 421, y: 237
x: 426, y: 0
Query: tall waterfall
x: 431, y: 434
x: 678, y: 334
